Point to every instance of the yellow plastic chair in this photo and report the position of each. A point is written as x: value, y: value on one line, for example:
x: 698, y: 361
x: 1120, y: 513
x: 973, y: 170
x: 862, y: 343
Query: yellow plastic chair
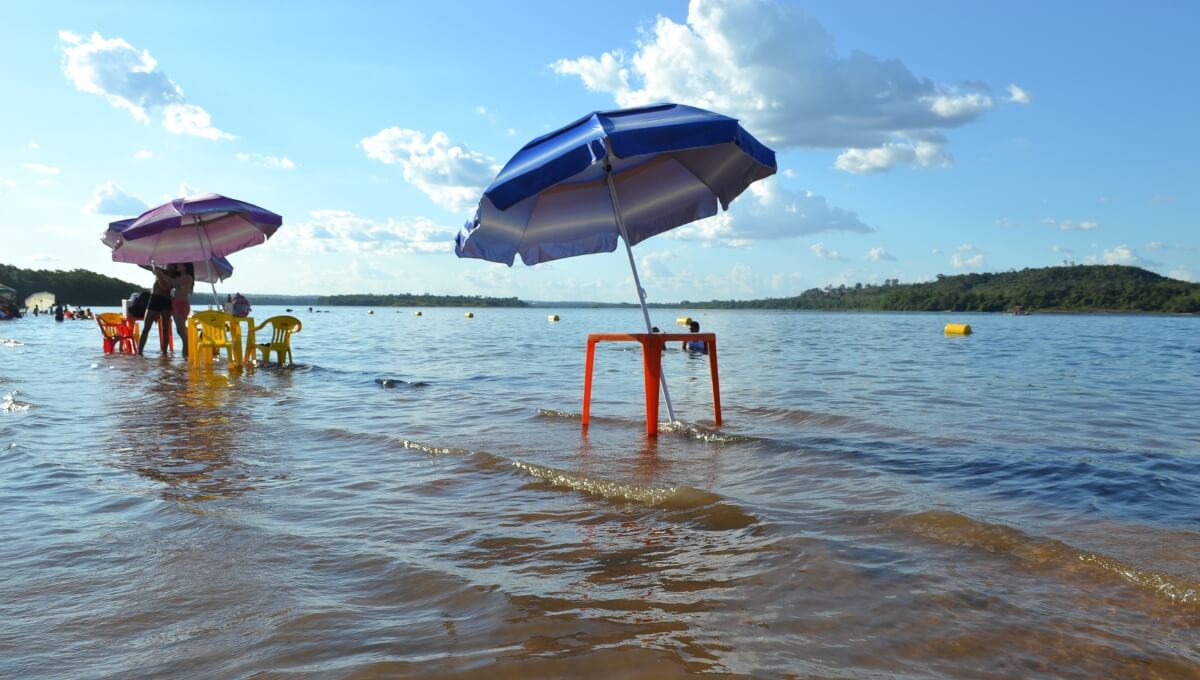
x: 209, y: 332
x: 282, y: 328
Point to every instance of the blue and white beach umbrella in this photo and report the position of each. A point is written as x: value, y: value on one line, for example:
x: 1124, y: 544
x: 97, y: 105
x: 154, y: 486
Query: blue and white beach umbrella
x: 631, y: 173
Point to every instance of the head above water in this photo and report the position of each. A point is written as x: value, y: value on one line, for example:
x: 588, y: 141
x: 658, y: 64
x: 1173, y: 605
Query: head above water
x: 694, y: 327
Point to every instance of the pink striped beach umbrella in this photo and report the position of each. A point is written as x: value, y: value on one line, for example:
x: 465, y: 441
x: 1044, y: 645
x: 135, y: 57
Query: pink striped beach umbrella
x: 194, y: 229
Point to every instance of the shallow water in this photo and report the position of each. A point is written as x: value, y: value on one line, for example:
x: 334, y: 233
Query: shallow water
x: 415, y: 498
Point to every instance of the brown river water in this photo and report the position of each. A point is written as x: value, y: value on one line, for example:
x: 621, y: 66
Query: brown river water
x: 415, y: 498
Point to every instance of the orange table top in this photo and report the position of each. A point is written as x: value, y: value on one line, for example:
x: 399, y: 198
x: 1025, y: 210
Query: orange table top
x: 642, y: 337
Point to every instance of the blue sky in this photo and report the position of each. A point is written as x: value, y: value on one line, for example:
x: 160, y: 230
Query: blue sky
x: 913, y: 140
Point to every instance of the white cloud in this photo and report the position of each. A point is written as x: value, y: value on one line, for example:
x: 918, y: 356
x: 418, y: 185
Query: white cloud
x: 281, y: 162
x: 1155, y: 245
x: 189, y: 119
x: 879, y: 254
x: 364, y: 270
x: 343, y: 231
x: 1018, y: 96
x: 1181, y: 273
x: 974, y: 262
x: 921, y: 153
x: 451, y: 175
x: 110, y: 199
x: 1063, y: 250
x: 11, y: 184
x: 131, y: 80
x: 956, y: 106
x: 967, y: 248
x: 768, y: 211
x: 143, y: 155
x: 776, y: 69
x: 41, y: 169
x: 33, y: 146
x: 789, y: 173
x: 1069, y: 225
x: 824, y: 253
x: 41, y: 258
x: 1122, y: 254
x: 1004, y: 223
x: 662, y: 282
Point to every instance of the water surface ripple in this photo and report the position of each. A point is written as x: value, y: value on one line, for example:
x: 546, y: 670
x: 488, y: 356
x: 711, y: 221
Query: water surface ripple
x: 416, y: 499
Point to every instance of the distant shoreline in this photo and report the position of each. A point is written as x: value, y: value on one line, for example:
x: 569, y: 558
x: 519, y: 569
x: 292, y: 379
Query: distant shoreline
x: 1103, y: 289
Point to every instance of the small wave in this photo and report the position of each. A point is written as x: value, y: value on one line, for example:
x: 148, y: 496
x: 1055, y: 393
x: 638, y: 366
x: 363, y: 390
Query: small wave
x: 8, y: 342
x: 688, y: 504
x: 397, y: 382
x: 679, y: 427
x: 833, y: 421
x: 9, y: 403
x: 1039, y: 552
x: 683, y: 503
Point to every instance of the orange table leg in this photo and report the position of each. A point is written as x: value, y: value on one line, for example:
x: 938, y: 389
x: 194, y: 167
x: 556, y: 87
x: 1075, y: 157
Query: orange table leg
x: 716, y: 381
x: 652, y: 374
x: 587, y: 381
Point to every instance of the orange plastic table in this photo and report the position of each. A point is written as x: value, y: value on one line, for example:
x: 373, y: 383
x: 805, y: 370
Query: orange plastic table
x: 652, y: 348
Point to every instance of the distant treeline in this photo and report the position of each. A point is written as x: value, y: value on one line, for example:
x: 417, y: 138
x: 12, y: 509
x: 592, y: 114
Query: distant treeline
x: 1079, y: 288
x: 408, y: 300
x: 75, y: 287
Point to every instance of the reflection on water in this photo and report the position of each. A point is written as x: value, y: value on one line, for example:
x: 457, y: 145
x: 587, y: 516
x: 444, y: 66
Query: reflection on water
x: 187, y: 430
x: 880, y: 502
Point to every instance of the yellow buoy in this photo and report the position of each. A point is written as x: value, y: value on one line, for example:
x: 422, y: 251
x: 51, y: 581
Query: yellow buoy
x: 684, y: 321
x: 958, y: 329
x: 552, y: 317
x: 470, y: 315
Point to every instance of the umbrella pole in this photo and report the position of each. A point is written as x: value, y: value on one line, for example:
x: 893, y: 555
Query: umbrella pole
x: 612, y: 193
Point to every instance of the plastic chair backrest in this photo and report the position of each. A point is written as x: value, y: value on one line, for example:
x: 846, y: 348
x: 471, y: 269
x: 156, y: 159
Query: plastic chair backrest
x: 282, y: 328
x: 214, y: 326
x: 113, y: 325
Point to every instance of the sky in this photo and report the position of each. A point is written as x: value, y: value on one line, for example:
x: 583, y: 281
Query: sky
x: 913, y: 139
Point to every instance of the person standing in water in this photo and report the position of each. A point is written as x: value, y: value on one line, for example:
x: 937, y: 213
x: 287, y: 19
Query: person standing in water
x: 181, y: 301
x: 159, y: 307
x: 695, y: 345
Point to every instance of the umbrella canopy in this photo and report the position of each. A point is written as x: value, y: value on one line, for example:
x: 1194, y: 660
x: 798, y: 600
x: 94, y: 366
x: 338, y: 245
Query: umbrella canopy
x: 7, y: 293
x: 193, y: 229
x: 216, y: 268
x: 669, y: 164
x: 43, y: 299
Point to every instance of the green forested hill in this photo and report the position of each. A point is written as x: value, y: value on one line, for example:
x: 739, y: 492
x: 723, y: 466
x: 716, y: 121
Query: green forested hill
x: 76, y: 287
x: 409, y: 300
x: 1080, y: 288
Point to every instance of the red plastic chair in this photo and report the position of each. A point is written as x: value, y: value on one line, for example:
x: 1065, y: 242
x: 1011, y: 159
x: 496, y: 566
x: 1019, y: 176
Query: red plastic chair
x: 120, y: 334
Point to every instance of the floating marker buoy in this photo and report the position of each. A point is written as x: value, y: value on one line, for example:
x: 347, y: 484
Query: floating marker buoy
x: 417, y: 313
x: 552, y: 317
x: 958, y: 329
x: 684, y: 321
x: 470, y: 315
x: 371, y: 312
